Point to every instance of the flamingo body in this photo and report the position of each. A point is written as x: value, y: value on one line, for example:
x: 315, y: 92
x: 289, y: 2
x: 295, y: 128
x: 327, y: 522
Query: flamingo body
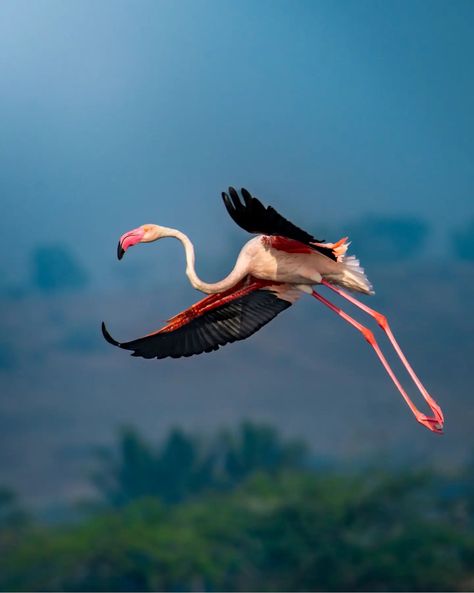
x: 272, y: 271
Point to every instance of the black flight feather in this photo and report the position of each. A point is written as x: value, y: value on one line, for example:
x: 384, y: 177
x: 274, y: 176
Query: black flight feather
x: 235, y: 320
x: 253, y: 217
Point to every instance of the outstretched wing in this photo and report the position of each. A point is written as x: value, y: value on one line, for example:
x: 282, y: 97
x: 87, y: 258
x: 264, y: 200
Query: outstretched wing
x: 253, y: 217
x: 212, y: 322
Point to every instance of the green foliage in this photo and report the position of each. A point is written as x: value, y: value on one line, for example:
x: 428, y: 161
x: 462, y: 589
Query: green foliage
x: 295, y: 531
x: 244, y: 512
x: 14, y: 523
x: 258, y: 448
x: 184, y: 466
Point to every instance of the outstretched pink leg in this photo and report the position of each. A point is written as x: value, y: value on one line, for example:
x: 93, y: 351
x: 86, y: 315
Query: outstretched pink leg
x: 383, y: 323
x: 434, y: 424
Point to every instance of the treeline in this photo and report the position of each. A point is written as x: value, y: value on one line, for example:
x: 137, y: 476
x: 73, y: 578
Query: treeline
x: 184, y: 466
x: 258, y: 525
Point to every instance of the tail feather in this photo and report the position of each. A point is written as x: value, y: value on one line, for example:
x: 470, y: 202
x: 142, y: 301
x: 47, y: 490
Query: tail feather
x: 349, y: 273
x: 339, y: 248
x: 354, y: 277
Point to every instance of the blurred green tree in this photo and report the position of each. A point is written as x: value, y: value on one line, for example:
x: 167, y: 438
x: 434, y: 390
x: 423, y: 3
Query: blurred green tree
x: 256, y: 447
x: 15, y: 521
x: 293, y: 531
x: 185, y: 466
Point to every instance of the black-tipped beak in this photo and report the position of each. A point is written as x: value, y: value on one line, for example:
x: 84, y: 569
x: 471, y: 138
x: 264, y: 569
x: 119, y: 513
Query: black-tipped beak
x: 120, y: 250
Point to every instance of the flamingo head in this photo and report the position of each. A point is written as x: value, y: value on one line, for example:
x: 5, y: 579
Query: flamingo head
x: 143, y: 234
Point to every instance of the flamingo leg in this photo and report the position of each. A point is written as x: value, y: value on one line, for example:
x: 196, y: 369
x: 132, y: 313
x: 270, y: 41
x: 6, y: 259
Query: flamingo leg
x: 435, y: 424
x: 383, y: 324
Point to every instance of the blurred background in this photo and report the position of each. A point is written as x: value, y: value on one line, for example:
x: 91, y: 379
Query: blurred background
x: 288, y: 461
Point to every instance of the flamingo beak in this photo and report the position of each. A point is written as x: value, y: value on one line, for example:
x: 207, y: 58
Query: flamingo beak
x: 129, y: 239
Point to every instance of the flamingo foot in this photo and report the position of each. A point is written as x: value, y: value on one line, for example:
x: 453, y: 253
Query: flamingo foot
x: 431, y: 423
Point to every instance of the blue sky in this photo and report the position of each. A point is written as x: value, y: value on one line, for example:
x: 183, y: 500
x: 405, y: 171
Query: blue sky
x: 114, y: 114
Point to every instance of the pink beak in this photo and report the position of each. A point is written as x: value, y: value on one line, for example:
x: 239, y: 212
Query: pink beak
x: 129, y: 239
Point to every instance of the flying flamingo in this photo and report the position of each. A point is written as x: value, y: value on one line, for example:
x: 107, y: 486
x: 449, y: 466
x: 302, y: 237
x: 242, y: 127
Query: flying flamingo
x: 272, y: 271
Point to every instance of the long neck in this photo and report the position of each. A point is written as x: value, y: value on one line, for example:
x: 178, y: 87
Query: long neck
x: 239, y: 271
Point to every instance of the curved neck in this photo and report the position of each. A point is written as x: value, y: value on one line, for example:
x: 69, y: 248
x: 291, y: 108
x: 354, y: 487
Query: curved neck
x: 239, y: 271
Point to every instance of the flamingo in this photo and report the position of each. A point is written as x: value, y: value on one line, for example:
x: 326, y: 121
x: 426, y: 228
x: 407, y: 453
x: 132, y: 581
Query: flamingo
x: 273, y: 270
